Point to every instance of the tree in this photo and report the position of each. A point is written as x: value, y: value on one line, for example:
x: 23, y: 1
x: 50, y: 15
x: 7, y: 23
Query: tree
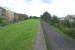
x: 46, y: 16
x: 67, y: 23
x: 73, y: 24
x: 54, y: 20
x: 2, y: 23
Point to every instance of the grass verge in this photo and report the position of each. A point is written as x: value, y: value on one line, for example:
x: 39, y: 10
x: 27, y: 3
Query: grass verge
x: 18, y: 36
x: 64, y: 35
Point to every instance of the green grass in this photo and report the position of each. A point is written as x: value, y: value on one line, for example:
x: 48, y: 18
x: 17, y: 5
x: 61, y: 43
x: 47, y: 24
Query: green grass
x: 18, y: 36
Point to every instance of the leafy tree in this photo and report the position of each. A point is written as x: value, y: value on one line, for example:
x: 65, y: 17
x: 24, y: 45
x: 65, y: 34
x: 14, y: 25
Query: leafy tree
x: 73, y: 24
x: 67, y: 23
x: 54, y: 20
x: 1, y: 20
x: 2, y: 23
x: 46, y: 16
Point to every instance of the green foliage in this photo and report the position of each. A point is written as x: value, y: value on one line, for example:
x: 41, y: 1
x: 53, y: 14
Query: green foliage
x: 2, y: 22
x: 67, y: 27
x: 68, y: 31
x: 67, y: 23
x: 34, y: 17
x: 46, y: 16
x: 73, y: 24
x: 18, y: 36
x: 54, y: 20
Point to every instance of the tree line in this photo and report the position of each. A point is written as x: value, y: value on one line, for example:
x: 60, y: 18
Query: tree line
x: 68, y: 21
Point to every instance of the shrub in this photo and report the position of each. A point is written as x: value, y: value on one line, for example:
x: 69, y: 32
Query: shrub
x: 3, y: 23
x: 68, y: 31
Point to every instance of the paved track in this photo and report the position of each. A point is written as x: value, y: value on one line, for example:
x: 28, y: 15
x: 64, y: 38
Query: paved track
x: 54, y: 40
x: 39, y: 41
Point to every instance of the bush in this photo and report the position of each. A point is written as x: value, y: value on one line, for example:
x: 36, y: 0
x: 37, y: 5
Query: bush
x: 3, y: 23
x: 68, y: 31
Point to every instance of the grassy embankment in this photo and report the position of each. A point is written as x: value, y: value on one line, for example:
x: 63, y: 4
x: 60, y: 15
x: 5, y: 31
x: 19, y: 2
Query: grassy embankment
x: 18, y: 36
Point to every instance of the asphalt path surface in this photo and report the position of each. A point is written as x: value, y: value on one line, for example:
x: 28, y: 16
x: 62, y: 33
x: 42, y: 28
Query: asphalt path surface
x: 39, y: 40
x: 54, y: 40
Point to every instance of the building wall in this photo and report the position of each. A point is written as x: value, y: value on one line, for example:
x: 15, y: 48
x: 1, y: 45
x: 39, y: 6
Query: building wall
x: 16, y: 17
x: 9, y: 16
x: 2, y: 12
x: 19, y: 17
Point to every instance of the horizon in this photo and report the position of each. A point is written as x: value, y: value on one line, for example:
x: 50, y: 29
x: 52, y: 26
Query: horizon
x: 60, y: 8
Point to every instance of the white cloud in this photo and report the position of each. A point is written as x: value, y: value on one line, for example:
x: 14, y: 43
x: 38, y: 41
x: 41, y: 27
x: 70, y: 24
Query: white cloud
x: 36, y: 7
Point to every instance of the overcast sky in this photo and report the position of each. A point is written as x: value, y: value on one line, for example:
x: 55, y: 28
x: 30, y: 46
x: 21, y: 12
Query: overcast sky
x: 37, y: 7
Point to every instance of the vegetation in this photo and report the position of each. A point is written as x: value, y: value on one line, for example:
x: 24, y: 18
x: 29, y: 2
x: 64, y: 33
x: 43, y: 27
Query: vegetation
x: 2, y: 22
x: 34, y: 17
x: 54, y: 20
x: 67, y: 25
x: 18, y: 36
x: 46, y: 17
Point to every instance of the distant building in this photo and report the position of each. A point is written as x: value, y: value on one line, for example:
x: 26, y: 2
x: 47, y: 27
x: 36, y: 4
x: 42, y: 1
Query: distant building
x: 62, y: 18
x: 21, y: 16
x: 70, y: 18
x: 16, y: 17
x: 2, y: 12
x: 9, y: 16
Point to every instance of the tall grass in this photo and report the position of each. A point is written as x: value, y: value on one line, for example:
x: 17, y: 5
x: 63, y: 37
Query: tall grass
x: 67, y: 30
